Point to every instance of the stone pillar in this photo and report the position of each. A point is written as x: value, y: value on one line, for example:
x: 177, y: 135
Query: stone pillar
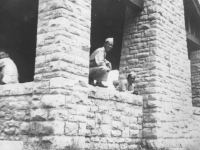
x: 154, y: 46
x: 60, y: 93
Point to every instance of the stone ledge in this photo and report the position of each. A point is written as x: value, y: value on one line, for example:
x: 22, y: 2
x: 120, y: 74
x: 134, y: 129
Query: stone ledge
x: 113, y: 95
x: 11, y: 145
x: 16, y: 89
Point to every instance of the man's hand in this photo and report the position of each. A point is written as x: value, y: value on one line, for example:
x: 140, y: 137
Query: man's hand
x: 108, y: 64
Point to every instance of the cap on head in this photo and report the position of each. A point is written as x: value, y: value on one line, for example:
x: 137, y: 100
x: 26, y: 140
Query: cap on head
x: 109, y: 40
x: 131, y: 74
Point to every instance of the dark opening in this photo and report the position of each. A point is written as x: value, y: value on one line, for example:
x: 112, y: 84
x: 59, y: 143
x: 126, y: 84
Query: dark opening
x: 108, y: 21
x: 18, y: 30
x: 192, y: 23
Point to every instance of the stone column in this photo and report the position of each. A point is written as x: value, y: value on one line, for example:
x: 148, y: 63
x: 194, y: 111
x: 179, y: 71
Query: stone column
x: 154, y: 46
x: 60, y: 93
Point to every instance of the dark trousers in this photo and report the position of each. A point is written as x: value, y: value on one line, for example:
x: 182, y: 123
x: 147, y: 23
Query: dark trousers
x: 1, y: 78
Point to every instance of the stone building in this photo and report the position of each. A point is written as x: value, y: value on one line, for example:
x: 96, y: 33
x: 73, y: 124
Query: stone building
x: 57, y: 109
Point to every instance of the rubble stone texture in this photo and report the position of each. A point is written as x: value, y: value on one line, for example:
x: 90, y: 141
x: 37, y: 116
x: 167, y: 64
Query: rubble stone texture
x: 15, y: 103
x: 114, y: 120
x: 154, y: 46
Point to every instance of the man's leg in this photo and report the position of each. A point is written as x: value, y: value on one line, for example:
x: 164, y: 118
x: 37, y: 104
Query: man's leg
x: 99, y: 74
x: 1, y: 78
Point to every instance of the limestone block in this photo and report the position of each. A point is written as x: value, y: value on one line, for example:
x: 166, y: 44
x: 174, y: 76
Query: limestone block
x: 24, y: 128
x: 80, y: 118
x: 135, y: 133
x: 106, y: 119
x: 103, y: 109
x: 81, y: 62
x: 19, y: 105
x: 116, y: 133
x: 102, y: 93
x: 71, y: 128
x: 90, y: 124
x: 61, y: 115
x: 53, y: 101
x: 72, y: 109
x: 60, y: 82
x: 104, y: 130
x: 61, y: 66
x: 116, y: 116
x: 2, y: 114
x: 9, y: 131
x: 49, y: 128
x: 11, y: 145
x: 39, y: 61
x: 125, y: 121
x: 16, y: 89
x: 40, y: 40
x: 20, y: 116
x: 39, y: 114
x: 148, y: 133
x: 125, y: 132
x: 80, y: 98
x: 62, y: 56
x: 82, y: 129
x: 82, y: 110
x: 116, y: 125
x: 62, y: 142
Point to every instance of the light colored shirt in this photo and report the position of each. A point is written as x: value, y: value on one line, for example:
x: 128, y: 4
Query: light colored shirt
x: 125, y: 86
x: 99, y: 57
x: 9, y: 71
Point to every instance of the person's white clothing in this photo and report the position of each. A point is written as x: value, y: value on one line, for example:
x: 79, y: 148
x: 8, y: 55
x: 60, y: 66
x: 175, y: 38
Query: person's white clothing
x: 9, y: 71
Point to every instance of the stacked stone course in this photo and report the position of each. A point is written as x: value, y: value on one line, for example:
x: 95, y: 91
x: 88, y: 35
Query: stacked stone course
x: 114, y: 120
x: 154, y: 46
x: 15, y: 102
x: 60, y: 91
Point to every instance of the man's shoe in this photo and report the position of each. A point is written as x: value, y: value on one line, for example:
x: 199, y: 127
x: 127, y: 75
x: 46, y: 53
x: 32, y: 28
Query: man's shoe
x: 91, y: 81
x: 100, y: 84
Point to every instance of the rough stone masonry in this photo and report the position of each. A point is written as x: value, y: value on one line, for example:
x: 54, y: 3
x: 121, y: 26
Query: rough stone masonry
x: 59, y: 109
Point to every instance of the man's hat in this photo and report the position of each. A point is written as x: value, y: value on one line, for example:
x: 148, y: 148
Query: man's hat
x: 110, y: 40
x: 131, y: 74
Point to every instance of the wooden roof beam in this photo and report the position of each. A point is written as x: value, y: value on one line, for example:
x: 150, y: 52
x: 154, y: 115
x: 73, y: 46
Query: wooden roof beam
x: 193, y: 38
x: 137, y: 5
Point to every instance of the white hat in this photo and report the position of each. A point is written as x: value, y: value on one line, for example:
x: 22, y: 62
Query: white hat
x: 110, y: 40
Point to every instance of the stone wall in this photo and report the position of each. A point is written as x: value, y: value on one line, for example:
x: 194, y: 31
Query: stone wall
x: 15, y: 102
x: 114, y: 120
x: 61, y: 74
x: 154, y: 46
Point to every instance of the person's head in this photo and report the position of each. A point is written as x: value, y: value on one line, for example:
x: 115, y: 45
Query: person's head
x: 3, y: 54
x: 108, y: 45
x: 131, y: 77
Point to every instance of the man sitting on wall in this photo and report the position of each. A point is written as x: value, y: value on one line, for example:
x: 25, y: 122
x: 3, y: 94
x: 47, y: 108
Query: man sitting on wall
x: 99, y: 66
x: 128, y: 85
x: 9, y: 73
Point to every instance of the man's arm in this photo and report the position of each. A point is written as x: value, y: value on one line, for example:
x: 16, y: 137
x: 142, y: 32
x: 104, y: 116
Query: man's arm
x: 2, y: 63
x: 100, y: 58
